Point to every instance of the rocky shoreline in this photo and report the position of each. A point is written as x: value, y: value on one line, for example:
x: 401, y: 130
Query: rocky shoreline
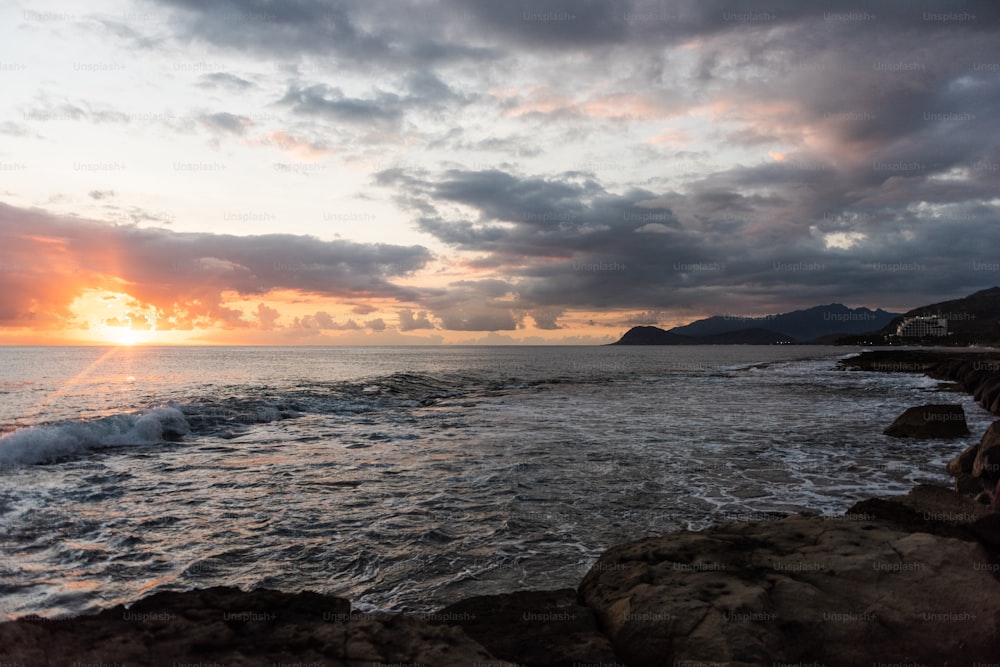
x: 912, y: 580
x: 974, y: 371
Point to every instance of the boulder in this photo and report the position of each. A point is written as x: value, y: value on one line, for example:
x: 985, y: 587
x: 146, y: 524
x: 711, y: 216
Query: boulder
x: 990, y: 393
x: 962, y: 464
x: 944, y: 370
x: 967, y: 485
x: 534, y: 628
x: 985, y: 386
x: 973, y: 380
x: 802, y: 589
x: 230, y: 626
x: 987, y: 463
x: 962, y: 370
x: 930, y: 421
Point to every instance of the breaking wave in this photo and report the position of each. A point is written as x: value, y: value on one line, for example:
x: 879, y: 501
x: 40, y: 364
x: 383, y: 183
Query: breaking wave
x: 53, y: 442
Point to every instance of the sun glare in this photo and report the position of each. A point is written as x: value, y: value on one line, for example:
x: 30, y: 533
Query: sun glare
x: 121, y: 335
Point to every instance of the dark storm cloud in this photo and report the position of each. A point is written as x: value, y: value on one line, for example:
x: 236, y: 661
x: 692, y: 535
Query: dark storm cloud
x: 360, y: 33
x: 568, y: 243
x: 550, y: 23
x: 183, y: 275
x: 454, y: 30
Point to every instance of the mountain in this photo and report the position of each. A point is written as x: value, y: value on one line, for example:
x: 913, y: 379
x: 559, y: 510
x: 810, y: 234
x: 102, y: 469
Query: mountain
x: 657, y: 336
x: 971, y: 319
x: 653, y: 336
x: 755, y: 336
x: 799, y: 325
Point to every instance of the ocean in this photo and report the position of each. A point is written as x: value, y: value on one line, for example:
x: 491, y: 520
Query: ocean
x: 409, y: 478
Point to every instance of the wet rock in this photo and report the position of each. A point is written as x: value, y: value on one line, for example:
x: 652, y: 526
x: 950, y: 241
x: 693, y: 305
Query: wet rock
x: 803, y: 589
x: 930, y: 421
x: 987, y: 463
x: 967, y: 485
x: 962, y: 464
x: 534, y: 628
x: 229, y: 626
x: 987, y: 388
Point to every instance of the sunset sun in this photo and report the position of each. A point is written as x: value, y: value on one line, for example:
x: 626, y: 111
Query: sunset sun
x: 121, y: 336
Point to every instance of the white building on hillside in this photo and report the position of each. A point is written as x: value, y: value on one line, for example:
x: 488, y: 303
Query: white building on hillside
x: 922, y: 327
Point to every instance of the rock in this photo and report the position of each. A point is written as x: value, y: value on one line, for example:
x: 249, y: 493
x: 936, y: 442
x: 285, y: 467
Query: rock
x: 987, y: 463
x: 973, y: 380
x: 990, y: 393
x: 229, y: 626
x: 962, y: 464
x: 941, y: 504
x: 987, y: 529
x: 799, y: 590
x: 986, y: 386
x: 944, y: 370
x: 963, y: 370
x: 926, y: 508
x: 967, y: 485
x: 930, y: 421
x: 973, y: 371
x: 534, y: 628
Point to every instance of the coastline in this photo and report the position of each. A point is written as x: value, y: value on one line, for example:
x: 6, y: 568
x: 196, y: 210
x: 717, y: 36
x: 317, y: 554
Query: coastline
x: 910, y: 579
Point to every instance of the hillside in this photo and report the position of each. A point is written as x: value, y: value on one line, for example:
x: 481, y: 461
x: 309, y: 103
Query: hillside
x: 971, y: 319
x: 799, y: 325
x: 656, y: 336
x: 653, y: 336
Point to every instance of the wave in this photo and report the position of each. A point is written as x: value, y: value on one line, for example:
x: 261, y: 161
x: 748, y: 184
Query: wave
x: 229, y: 412
x: 54, y: 442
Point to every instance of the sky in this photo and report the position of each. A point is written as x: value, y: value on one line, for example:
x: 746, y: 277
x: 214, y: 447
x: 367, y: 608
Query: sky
x: 482, y: 172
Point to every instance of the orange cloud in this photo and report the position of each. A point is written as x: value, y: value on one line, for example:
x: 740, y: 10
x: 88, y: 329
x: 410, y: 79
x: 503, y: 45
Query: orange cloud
x: 71, y: 273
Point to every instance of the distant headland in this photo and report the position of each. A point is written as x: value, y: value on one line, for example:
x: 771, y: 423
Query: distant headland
x: 971, y: 320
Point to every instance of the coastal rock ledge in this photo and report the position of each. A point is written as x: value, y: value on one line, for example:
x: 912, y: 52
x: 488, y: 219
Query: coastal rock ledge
x: 800, y: 590
x: 226, y: 626
x: 909, y: 580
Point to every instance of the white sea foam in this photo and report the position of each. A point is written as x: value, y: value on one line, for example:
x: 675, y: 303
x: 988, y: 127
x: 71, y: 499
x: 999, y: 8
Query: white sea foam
x: 51, y: 442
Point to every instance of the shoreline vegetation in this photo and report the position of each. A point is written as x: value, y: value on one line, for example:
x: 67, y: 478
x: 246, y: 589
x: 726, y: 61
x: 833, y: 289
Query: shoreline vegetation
x: 911, y: 580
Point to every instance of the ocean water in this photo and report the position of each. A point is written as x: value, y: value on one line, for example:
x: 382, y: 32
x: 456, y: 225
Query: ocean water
x: 409, y: 478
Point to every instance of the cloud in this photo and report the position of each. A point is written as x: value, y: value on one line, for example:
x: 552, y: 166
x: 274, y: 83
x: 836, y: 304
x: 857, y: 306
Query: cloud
x: 225, y: 80
x: 410, y: 322
x: 322, y: 320
x: 382, y: 108
x: 731, y: 156
x: 546, y: 319
x: 226, y: 123
x: 301, y: 148
x: 471, y: 318
x: 267, y: 316
x: 567, y: 242
x: 354, y: 31
x: 185, y: 277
